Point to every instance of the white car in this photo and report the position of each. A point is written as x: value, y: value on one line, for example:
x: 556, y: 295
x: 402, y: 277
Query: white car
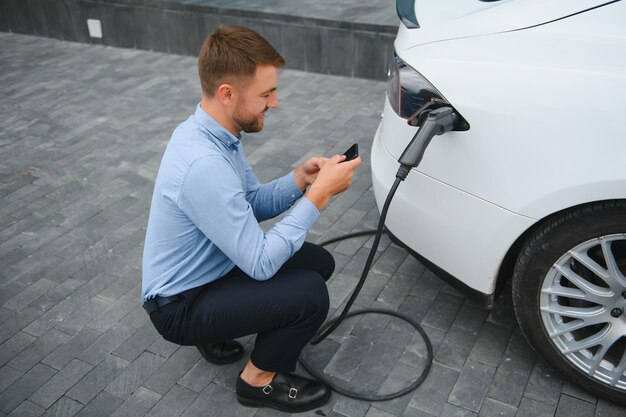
x: 531, y: 185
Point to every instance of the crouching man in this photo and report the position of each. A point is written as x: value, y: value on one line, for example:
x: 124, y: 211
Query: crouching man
x: 210, y: 273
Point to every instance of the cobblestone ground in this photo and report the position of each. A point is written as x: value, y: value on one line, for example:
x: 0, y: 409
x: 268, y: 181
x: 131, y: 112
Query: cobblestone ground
x: 82, y: 129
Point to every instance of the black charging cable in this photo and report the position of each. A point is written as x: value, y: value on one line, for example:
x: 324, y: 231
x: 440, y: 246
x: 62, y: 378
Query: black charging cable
x: 437, y: 122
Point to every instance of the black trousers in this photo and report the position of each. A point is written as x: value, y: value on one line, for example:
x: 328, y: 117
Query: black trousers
x: 285, y: 311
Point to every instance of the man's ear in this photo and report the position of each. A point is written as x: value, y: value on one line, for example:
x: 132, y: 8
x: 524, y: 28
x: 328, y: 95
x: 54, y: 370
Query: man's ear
x: 227, y: 94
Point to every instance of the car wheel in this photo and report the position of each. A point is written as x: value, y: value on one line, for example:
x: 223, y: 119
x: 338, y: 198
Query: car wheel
x: 569, y: 295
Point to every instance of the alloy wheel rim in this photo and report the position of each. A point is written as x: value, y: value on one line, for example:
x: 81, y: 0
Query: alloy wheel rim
x: 583, y: 308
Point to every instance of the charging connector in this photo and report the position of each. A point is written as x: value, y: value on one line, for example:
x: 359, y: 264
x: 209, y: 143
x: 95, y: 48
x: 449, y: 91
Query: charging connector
x: 438, y: 122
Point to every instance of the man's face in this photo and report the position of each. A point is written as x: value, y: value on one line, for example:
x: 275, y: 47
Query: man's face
x: 255, y: 98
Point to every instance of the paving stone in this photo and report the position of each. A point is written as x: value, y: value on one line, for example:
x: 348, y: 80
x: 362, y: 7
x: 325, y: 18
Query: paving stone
x: 455, y: 347
x: 573, y: 407
x: 396, y: 291
x: 427, y: 286
x: 34, y: 353
x: 389, y: 262
x: 443, y: 311
x: 8, y: 376
x: 173, y: 369
x: 493, y: 408
x: 415, y: 308
x: 114, y: 312
x: 577, y: 392
x: 24, y: 387
x: 5, y: 314
x: 435, y: 390
x: 373, y: 285
x: 15, y: 345
x: 30, y: 294
x: 71, y: 348
x: 137, y: 404
x: 490, y: 344
x: 513, y: 372
x: 608, y: 409
x: 65, y: 407
x: 97, y: 379
x: 503, y: 314
x: 134, y: 375
x: 350, y: 407
x: 471, y: 387
x: 544, y: 384
x: 27, y: 409
x: 414, y: 412
x: 340, y: 289
x: 136, y: 318
x: 400, y: 378
x: 379, y: 361
x: 50, y: 318
x: 375, y: 412
x: 215, y: 401
x: 106, y: 343
x: 531, y: 408
x: 173, y: 403
x: 54, y: 389
x: 471, y: 316
x: 83, y: 315
x: 199, y: 376
x: 59, y: 293
x: 163, y: 347
x: 416, y: 353
x: 9, y: 291
x: 103, y: 405
x: 138, y: 342
x: 454, y: 411
x: 345, y: 363
x: 410, y: 265
x: 371, y: 327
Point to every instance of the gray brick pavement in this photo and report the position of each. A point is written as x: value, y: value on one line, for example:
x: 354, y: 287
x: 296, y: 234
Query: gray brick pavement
x: 82, y: 129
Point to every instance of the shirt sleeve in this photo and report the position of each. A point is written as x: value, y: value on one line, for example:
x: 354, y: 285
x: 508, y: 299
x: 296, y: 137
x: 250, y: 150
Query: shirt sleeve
x: 213, y: 197
x: 271, y: 199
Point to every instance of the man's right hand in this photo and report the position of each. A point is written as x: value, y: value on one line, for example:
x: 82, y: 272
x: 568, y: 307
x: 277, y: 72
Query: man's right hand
x: 333, y: 178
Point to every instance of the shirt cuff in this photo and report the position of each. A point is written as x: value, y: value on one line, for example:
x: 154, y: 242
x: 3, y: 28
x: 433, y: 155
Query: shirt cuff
x: 289, y: 187
x: 305, y: 212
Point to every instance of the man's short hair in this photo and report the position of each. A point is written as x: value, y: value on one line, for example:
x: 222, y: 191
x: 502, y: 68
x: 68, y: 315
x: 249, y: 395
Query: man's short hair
x: 233, y: 52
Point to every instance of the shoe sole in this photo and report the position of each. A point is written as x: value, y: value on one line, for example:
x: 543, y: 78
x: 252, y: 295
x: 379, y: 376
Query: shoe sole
x: 259, y: 404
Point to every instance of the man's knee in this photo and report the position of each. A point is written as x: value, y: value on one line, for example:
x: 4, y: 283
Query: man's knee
x: 311, y: 296
x: 326, y: 263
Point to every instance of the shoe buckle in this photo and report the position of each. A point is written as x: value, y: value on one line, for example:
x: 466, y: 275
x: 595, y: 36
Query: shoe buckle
x: 267, y: 389
x: 292, y: 393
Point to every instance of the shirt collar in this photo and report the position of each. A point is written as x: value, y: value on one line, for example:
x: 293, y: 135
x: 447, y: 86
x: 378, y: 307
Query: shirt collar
x: 211, y: 126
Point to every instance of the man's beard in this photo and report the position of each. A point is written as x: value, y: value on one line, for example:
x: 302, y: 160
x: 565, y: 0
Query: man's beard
x: 250, y: 123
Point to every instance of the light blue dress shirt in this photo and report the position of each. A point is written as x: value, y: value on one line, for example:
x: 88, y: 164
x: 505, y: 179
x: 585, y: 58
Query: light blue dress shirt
x: 205, y: 213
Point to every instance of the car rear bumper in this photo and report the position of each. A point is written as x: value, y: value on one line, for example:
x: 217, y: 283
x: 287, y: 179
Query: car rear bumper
x: 460, y: 237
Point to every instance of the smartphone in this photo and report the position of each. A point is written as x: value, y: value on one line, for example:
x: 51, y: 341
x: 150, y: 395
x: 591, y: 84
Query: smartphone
x: 352, y: 152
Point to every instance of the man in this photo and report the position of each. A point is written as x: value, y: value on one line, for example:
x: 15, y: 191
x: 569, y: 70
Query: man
x: 210, y: 273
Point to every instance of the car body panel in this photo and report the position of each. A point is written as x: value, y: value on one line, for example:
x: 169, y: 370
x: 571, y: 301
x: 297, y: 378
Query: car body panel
x: 524, y: 157
x: 451, y: 19
x: 530, y: 161
x: 466, y: 243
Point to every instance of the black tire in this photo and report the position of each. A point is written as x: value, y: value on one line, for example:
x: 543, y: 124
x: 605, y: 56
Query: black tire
x: 540, y: 280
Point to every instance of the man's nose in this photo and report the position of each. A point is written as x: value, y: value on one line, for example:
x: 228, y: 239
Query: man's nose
x: 272, y: 101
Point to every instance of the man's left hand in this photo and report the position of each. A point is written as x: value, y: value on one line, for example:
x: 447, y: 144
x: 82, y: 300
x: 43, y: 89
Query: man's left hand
x: 306, y: 173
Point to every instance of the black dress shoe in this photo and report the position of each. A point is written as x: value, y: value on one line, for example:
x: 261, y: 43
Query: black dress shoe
x: 286, y: 392
x: 222, y: 353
